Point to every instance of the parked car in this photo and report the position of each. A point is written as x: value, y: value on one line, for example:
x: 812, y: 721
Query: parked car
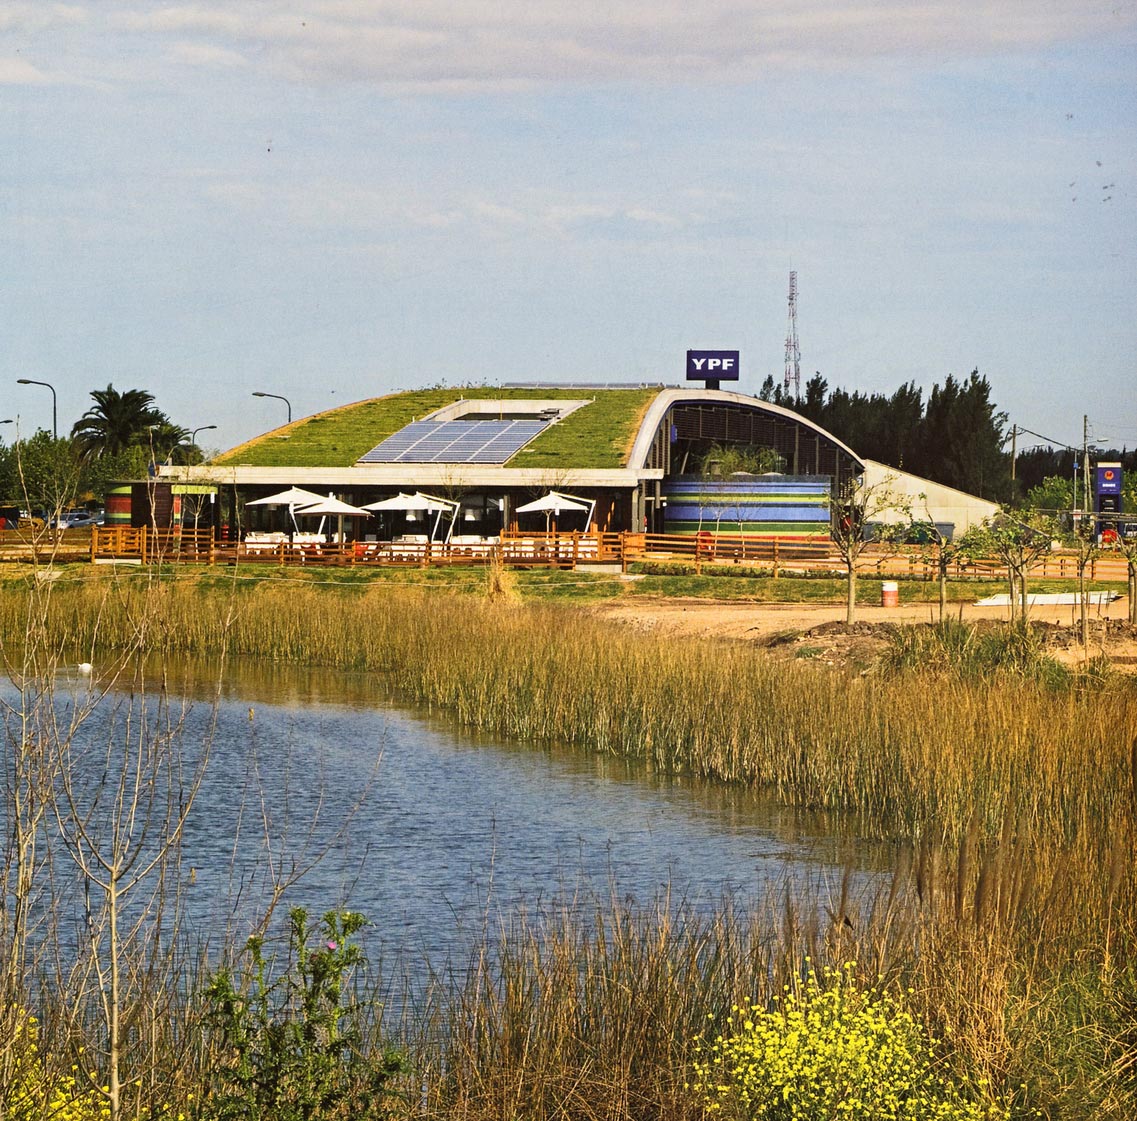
x: 78, y: 519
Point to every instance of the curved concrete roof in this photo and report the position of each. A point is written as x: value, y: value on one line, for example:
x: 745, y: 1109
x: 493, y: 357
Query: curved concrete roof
x: 607, y: 442
x: 667, y: 398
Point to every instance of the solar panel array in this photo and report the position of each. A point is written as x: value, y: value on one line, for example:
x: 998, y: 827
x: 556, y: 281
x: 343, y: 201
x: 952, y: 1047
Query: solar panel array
x: 456, y: 441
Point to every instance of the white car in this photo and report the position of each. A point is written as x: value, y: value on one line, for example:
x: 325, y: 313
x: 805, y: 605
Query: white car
x: 79, y: 519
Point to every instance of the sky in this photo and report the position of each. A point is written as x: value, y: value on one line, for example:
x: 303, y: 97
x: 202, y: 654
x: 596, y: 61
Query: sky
x: 333, y: 200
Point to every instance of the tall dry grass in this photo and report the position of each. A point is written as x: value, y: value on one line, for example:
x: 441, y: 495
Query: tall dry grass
x: 1010, y: 924
x: 907, y: 755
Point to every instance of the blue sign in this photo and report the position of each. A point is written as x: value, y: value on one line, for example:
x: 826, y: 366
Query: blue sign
x: 1109, y: 478
x: 712, y: 365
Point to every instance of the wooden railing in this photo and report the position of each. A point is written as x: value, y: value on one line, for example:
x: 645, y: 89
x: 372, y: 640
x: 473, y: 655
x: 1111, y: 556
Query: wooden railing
x: 778, y: 556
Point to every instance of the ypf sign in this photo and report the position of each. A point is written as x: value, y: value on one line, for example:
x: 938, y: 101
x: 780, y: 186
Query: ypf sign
x: 712, y: 366
x: 1107, y: 487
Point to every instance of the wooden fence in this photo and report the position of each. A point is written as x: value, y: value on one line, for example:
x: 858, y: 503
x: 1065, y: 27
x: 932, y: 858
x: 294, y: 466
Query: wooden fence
x: 778, y: 556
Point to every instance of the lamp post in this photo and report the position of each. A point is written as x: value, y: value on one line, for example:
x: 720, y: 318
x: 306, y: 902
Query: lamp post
x: 257, y: 393
x: 54, y: 410
x: 193, y: 444
x: 1074, y: 507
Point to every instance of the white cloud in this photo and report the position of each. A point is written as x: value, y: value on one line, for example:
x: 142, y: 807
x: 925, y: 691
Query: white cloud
x: 205, y: 54
x: 463, y: 44
x: 19, y: 72
x: 327, y: 204
x: 26, y: 19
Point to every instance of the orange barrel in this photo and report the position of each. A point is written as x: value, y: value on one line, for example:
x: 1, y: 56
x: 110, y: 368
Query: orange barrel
x: 889, y: 594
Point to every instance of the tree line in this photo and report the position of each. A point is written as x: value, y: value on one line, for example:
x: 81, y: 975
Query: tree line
x: 957, y: 436
x: 123, y: 435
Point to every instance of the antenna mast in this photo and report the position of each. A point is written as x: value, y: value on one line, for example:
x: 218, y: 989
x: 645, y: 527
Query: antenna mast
x: 793, y: 352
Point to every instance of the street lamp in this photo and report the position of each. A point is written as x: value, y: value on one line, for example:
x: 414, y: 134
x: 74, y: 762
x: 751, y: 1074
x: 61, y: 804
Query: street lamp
x: 54, y: 411
x: 257, y: 393
x: 193, y: 444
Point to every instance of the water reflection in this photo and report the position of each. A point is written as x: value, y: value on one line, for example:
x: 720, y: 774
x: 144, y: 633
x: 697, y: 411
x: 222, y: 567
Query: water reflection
x: 431, y: 830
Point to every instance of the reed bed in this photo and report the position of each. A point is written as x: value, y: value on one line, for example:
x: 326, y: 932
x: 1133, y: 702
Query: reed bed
x: 905, y: 754
x: 1009, y: 926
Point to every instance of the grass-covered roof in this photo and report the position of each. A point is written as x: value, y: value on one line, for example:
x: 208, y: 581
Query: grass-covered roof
x: 598, y: 435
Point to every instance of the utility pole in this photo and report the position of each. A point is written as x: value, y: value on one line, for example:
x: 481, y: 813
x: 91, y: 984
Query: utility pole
x: 1086, y: 496
x: 1014, y: 441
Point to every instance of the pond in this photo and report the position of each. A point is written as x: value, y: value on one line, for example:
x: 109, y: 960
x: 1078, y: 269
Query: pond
x: 431, y: 830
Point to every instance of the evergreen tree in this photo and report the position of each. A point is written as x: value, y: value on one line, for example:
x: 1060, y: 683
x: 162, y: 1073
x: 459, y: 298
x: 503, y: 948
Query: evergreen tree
x: 961, y: 439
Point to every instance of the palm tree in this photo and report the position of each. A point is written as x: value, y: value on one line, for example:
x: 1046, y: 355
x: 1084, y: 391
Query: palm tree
x: 167, y: 441
x: 117, y: 421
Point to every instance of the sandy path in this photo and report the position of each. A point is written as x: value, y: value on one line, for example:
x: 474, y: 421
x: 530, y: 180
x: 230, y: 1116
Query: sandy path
x: 755, y: 620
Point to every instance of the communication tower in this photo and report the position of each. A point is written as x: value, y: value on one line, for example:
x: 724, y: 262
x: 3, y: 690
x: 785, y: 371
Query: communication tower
x: 793, y: 352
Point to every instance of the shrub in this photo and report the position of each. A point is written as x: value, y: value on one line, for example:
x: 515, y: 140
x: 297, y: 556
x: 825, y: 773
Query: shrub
x: 828, y: 1049
x: 33, y: 1092
x: 289, y: 1048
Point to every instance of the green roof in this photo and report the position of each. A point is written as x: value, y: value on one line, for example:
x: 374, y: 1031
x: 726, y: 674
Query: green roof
x: 597, y: 435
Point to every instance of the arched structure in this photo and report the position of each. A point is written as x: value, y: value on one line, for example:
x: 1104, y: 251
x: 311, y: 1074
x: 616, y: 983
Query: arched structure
x: 618, y: 445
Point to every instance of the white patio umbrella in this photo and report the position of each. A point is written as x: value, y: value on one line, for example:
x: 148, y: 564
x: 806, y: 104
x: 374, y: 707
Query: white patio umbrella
x: 333, y: 507
x: 554, y: 502
x: 419, y: 501
x: 414, y: 501
x: 293, y: 497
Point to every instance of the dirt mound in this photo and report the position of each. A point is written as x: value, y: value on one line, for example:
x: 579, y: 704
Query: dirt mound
x: 818, y: 632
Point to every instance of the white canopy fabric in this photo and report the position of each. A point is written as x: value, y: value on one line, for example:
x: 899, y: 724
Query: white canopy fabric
x: 410, y: 503
x: 553, y: 503
x: 294, y: 496
x: 416, y: 501
x: 331, y: 505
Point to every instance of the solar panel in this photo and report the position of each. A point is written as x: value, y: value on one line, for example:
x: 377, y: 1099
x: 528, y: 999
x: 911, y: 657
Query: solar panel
x: 456, y: 441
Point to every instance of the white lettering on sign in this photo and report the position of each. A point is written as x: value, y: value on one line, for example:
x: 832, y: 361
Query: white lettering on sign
x: 710, y: 365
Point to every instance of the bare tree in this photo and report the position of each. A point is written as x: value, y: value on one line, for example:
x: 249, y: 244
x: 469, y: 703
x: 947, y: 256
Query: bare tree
x: 120, y: 812
x: 1086, y: 547
x: 1018, y: 541
x: 1128, y: 547
x: 857, y: 520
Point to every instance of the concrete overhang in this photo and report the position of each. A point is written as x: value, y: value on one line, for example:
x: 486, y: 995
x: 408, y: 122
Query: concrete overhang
x: 410, y: 476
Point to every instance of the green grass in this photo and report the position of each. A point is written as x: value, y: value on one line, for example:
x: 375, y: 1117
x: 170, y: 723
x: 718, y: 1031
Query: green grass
x: 583, y: 585
x: 597, y: 435
x: 742, y: 583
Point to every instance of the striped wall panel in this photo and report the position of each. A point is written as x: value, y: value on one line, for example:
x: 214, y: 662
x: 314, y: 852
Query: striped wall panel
x: 770, y: 504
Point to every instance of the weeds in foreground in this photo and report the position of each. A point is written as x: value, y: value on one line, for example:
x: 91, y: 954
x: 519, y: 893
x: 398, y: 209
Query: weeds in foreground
x: 35, y: 1091
x: 826, y: 1047
x: 289, y: 1046
x: 968, y: 651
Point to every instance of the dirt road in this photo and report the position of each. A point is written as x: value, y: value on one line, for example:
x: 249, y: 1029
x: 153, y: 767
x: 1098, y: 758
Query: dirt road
x: 820, y: 624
